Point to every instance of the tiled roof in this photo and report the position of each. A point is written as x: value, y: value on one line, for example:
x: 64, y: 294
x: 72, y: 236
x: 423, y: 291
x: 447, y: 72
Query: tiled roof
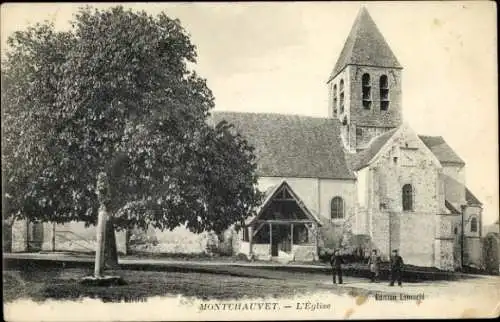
x: 292, y: 145
x: 270, y: 193
x: 361, y: 159
x: 267, y: 196
x: 365, y: 45
x: 443, y: 152
x: 438, y: 146
x: 451, y: 208
x: 471, y: 199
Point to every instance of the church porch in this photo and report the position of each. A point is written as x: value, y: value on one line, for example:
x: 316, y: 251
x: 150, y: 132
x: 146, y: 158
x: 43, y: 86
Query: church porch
x: 283, y: 229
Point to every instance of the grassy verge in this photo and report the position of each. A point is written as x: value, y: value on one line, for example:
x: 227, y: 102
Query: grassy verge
x: 64, y: 284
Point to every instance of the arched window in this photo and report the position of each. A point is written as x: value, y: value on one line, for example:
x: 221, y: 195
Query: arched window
x: 407, y: 197
x: 473, y: 225
x: 384, y: 93
x: 341, y: 90
x: 366, y: 91
x: 337, y: 208
x: 335, y: 100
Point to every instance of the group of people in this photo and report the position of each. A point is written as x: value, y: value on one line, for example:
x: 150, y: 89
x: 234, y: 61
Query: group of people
x: 396, y: 266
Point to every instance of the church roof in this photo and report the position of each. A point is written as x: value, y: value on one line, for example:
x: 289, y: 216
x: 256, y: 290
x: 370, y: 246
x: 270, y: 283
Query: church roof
x: 451, y: 207
x: 471, y: 199
x: 292, y: 145
x: 441, y: 149
x: 361, y: 159
x: 269, y: 195
x: 365, y: 45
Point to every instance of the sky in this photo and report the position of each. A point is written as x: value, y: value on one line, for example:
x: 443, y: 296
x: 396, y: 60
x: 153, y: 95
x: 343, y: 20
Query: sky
x: 277, y: 56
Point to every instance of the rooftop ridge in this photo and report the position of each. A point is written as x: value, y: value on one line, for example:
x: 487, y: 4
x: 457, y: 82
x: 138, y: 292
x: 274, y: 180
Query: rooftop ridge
x: 274, y: 114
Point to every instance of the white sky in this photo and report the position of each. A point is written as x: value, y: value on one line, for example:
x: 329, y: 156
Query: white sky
x: 276, y: 57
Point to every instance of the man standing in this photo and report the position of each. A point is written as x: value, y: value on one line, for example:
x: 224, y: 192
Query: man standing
x: 396, y: 267
x: 374, y: 264
x: 336, y: 261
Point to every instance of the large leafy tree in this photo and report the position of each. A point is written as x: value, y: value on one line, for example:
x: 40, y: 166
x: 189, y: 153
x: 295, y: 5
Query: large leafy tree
x: 107, y: 117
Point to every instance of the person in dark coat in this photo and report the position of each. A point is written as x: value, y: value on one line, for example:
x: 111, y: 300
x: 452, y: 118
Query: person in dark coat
x: 336, y: 261
x: 374, y: 264
x: 396, y: 268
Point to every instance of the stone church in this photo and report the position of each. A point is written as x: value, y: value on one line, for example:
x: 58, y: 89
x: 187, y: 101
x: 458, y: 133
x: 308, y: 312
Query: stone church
x: 360, y: 178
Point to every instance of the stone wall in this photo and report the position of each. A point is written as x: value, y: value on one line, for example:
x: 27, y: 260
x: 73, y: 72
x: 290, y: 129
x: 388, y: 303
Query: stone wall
x: 412, y: 232
x: 48, y: 234
x: 472, y: 242
x: 261, y: 251
x: 473, y: 252
x: 72, y: 236
x: 447, y: 254
x: 180, y: 240
x: 379, y: 224
x: 345, y: 115
x: 374, y: 116
x: 305, y: 253
x: 19, y: 236
x: 343, y: 75
x: 470, y: 213
x: 373, y: 120
x: 417, y: 231
x: 366, y: 123
x: 364, y: 134
x: 444, y: 254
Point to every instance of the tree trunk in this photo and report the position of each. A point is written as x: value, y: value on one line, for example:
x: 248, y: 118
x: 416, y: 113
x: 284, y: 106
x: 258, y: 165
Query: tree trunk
x: 110, y: 251
x: 101, y: 235
x: 127, y: 241
x: 102, y: 190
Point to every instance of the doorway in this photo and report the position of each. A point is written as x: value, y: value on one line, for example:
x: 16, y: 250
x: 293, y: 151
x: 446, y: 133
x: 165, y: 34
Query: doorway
x: 281, y: 239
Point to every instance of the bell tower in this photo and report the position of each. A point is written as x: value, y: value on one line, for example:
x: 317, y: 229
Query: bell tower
x: 365, y: 85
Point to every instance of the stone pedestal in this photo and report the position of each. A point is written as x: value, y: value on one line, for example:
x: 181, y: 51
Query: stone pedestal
x: 106, y: 280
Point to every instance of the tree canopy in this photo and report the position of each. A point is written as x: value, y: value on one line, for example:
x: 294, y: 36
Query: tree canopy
x: 115, y: 95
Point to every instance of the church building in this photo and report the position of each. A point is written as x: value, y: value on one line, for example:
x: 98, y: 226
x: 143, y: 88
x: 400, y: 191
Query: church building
x: 361, y: 171
x: 360, y: 178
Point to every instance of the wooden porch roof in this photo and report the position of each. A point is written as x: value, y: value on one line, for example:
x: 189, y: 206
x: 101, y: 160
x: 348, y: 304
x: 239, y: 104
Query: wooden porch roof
x: 269, y: 196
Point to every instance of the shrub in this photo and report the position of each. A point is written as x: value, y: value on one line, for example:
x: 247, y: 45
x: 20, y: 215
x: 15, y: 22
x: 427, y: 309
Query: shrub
x: 324, y: 254
x: 242, y: 257
x: 330, y: 235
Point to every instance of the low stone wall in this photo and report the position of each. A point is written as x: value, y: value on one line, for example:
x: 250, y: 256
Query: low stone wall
x: 261, y: 251
x: 305, y: 253
x: 244, y: 248
x: 19, y: 236
x: 179, y: 241
x: 77, y: 237
x: 72, y: 236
